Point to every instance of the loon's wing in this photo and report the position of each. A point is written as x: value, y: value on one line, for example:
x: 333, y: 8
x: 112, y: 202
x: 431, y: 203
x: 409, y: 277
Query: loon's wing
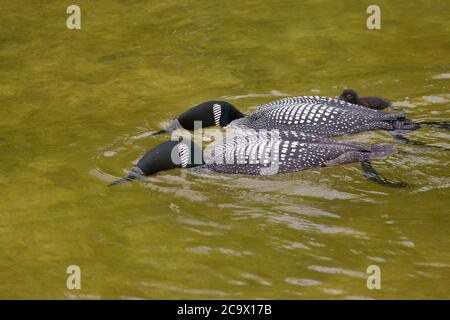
x: 320, y: 116
x: 301, y: 100
x: 243, y: 131
x: 255, y: 154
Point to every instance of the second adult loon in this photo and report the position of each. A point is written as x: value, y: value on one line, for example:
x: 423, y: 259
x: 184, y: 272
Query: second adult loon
x: 256, y: 155
x: 322, y: 116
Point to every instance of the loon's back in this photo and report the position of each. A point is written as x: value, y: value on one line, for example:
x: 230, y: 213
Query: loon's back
x: 287, y: 151
x: 323, y: 116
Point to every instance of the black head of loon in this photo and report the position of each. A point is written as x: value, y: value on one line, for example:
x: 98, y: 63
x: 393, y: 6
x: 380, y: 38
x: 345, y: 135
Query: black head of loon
x: 210, y: 113
x: 351, y: 96
x: 170, y: 155
x: 166, y: 156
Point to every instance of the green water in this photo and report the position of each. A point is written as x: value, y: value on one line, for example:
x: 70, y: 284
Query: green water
x: 75, y: 106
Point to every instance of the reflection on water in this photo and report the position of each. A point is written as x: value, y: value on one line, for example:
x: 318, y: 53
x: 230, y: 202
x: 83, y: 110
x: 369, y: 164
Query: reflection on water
x: 79, y: 108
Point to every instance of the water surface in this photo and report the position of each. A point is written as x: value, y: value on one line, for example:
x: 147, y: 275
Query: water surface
x: 76, y: 107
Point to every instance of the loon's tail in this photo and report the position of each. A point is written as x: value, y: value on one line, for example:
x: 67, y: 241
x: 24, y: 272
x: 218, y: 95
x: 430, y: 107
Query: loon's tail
x: 403, y: 123
x: 135, y: 174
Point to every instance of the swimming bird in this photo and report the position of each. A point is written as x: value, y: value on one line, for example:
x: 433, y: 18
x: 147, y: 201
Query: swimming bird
x: 351, y: 96
x: 322, y: 116
x: 272, y: 152
x: 259, y: 154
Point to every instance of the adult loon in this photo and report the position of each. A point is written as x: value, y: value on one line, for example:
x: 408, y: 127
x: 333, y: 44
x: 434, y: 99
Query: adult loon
x: 322, y: 116
x: 259, y: 154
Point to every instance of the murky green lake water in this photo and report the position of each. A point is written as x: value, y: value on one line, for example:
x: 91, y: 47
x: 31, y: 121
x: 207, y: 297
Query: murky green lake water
x: 75, y: 107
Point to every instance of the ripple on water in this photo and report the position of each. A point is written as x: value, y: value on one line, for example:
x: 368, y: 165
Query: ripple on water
x: 131, y: 298
x: 306, y: 225
x: 273, y: 93
x: 404, y: 103
x: 435, y: 99
x: 306, y: 211
x: 179, y: 187
x: 295, y: 184
x: 358, y: 298
x: 404, y: 243
x: 295, y: 245
x: 377, y: 259
x: 255, y: 278
x: 302, y: 282
x: 336, y: 270
x: 109, y: 154
x: 103, y: 176
x: 184, y: 290
x: 424, y: 101
x: 442, y: 76
x: 226, y: 251
x: 433, y: 264
x: 197, y: 222
x: 333, y: 291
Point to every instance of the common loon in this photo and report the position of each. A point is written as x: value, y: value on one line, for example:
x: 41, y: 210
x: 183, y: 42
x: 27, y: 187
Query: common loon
x: 322, y: 116
x: 258, y: 154
x: 351, y: 96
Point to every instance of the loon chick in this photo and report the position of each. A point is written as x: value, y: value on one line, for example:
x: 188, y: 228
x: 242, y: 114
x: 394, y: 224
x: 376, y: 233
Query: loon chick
x: 315, y: 115
x: 257, y: 154
x: 351, y: 96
